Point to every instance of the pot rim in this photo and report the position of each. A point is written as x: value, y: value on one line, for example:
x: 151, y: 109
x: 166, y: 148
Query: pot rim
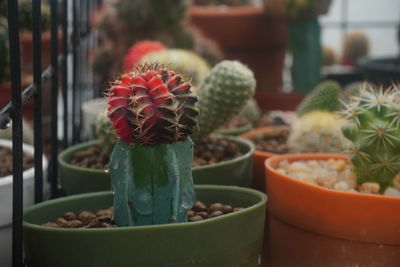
x: 261, y: 202
x: 319, y: 156
x: 27, y: 174
x: 62, y: 156
x: 255, y: 131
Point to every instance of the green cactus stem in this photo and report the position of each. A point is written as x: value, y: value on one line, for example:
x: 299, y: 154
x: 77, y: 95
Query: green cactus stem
x: 374, y: 129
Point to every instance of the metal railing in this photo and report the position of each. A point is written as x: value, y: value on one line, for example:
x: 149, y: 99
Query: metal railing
x: 69, y: 74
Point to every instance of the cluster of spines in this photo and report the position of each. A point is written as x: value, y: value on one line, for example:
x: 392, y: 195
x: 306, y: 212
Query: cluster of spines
x: 152, y: 105
x: 374, y: 130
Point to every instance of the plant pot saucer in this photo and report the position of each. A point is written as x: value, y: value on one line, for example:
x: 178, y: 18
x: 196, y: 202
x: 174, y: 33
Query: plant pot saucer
x: 233, y: 239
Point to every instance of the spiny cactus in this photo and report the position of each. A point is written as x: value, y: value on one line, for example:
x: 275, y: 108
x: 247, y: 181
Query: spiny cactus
x: 251, y: 111
x: 189, y: 64
x: 153, y: 112
x: 355, y: 46
x: 138, y: 51
x: 105, y: 133
x: 373, y: 127
x: 317, y: 131
x: 222, y: 94
x: 324, y: 97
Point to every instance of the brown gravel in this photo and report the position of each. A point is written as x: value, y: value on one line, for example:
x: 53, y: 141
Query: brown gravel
x: 207, y: 151
x: 105, y: 219
x: 235, y: 122
x: 274, y: 142
x: 6, y: 161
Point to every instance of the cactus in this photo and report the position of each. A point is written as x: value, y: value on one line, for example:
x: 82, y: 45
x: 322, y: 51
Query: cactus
x: 104, y: 132
x: 153, y: 112
x: 251, y: 111
x: 355, y: 46
x: 373, y: 127
x: 222, y: 94
x: 317, y: 131
x: 138, y: 51
x: 324, y: 97
x: 329, y: 57
x: 189, y: 64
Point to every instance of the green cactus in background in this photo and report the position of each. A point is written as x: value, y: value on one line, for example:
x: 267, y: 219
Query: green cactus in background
x: 251, y: 111
x: 374, y: 129
x: 222, y: 94
x: 324, y: 97
x: 105, y: 133
x: 189, y: 64
x: 317, y: 131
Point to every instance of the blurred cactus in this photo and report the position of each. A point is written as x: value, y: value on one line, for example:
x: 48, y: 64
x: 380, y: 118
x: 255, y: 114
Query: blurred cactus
x: 355, y: 45
x: 121, y: 23
x: 316, y: 131
x: 223, y: 93
x: 105, y: 133
x: 251, y: 111
x: 373, y: 127
x: 325, y: 97
x: 138, y: 51
x: 329, y: 57
x: 190, y: 65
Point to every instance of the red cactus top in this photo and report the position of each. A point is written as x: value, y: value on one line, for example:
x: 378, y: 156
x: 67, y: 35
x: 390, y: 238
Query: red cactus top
x: 152, y: 105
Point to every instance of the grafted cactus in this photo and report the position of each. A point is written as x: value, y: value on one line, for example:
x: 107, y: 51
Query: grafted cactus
x: 223, y: 93
x: 374, y: 129
x: 153, y: 112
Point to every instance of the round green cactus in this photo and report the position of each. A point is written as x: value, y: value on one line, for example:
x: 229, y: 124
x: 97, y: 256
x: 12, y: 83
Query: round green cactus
x: 105, y: 132
x: 324, y: 97
x: 374, y: 129
x: 222, y: 94
x: 317, y: 131
x: 189, y: 64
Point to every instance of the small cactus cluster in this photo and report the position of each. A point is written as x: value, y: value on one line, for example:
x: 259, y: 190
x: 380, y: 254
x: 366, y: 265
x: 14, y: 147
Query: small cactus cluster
x: 152, y: 105
x: 325, y: 97
x: 222, y: 94
x: 373, y: 127
x: 138, y: 51
x: 105, y: 133
x: 153, y: 112
x: 317, y: 131
x: 251, y: 111
x: 355, y: 45
x: 189, y: 64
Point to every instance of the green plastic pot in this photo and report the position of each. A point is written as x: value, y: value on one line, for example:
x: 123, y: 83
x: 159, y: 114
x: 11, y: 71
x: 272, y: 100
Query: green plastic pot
x: 235, y: 131
x: 233, y: 239
x: 77, y: 180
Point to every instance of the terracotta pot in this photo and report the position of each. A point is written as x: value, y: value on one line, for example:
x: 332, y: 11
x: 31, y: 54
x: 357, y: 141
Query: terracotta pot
x: 249, y: 35
x: 259, y: 157
x: 350, y: 216
x: 310, y: 249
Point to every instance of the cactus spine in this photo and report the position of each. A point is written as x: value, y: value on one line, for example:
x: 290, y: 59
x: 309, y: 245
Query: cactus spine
x: 153, y: 112
x: 374, y: 129
x: 222, y: 94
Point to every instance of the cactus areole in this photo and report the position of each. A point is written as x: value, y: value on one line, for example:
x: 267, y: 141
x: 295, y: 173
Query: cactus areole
x: 374, y: 130
x: 153, y: 111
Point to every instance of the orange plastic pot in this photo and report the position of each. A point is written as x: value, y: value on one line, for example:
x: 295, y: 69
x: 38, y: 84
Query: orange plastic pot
x: 351, y: 216
x: 259, y: 157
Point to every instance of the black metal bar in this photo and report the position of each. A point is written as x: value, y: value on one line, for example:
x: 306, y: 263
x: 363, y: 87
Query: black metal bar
x: 54, y: 97
x: 16, y: 115
x: 75, y: 129
x: 65, y: 71
x: 28, y: 92
x: 37, y: 109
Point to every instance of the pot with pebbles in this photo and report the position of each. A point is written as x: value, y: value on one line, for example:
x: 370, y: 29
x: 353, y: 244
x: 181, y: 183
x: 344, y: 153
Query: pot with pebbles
x: 217, y: 159
x: 356, y: 199
x: 6, y: 193
x: 153, y: 112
